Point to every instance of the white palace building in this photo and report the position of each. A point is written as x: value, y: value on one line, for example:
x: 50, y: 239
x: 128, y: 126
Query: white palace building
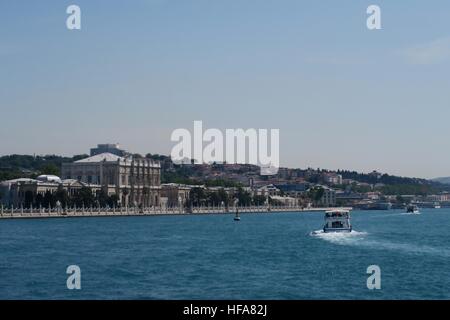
x: 136, y: 181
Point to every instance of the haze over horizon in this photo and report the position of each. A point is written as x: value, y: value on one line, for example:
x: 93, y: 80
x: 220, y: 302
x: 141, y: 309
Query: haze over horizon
x: 342, y: 96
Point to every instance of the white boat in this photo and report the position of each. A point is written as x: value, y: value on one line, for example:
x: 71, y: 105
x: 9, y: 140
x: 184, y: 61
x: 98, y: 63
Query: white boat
x: 337, y: 220
x: 412, y: 208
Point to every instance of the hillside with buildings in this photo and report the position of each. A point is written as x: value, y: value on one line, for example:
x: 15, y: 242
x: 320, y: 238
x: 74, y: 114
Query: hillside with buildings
x: 110, y: 176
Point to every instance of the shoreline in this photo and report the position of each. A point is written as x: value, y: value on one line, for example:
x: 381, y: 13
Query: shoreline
x: 132, y: 212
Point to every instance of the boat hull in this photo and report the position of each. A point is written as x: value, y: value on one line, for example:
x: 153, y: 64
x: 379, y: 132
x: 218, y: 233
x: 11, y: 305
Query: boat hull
x: 340, y: 230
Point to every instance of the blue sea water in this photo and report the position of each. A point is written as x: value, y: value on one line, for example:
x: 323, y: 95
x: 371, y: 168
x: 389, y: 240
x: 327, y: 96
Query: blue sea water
x: 264, y: 256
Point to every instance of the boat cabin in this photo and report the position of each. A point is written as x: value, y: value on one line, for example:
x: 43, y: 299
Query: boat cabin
x: 337, y: 221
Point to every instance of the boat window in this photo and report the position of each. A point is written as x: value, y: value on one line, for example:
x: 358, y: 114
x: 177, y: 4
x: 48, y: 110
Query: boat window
x: 336, y: 214
x: 337, y: 224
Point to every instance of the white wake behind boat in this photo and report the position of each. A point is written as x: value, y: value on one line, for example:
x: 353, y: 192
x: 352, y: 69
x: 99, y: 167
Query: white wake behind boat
x: 337, y: 220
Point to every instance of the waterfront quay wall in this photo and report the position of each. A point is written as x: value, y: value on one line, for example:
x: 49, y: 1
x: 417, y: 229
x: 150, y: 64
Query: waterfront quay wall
x: 23, y: 213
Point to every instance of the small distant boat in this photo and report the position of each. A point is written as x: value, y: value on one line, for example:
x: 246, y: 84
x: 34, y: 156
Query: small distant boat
x: 412, y: 208
x: 337, y: 221
x: 237, y: 217
x: 437, y: 205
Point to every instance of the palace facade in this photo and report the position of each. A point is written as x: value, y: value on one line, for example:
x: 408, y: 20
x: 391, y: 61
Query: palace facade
x: 136, y: 181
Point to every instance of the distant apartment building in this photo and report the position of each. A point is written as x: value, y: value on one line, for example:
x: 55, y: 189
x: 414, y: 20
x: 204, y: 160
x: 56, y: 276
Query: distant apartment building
x: 293, y: 189
x: 136, y: 181
x: 328, y: 198
x: 332, y: 178
x: 348, y: 197
x: 113, y: 148
x: 284, y: 173
x: 349, y: 181
x: 373, y: 195
x: 285, y: 200
x: 443, y: 197
x: 267, y: 190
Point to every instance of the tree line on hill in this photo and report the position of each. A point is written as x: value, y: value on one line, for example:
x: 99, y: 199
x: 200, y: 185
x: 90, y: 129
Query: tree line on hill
x: 17, y: 166
x: 202, y: 197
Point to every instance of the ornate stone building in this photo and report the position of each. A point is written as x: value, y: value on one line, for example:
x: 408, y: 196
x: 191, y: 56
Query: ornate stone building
x: 136, y: 181
x: 26, y: 191
x: 175, y: 195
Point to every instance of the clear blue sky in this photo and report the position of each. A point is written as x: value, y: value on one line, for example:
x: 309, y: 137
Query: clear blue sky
x: 341, y: 95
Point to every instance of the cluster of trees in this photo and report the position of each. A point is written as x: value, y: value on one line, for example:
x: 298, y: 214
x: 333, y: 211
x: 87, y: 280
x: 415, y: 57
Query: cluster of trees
x: 18, y: 166
x: 384, y: 178
x: 400, y: 189
x: 410, y: 189
x: 158, y: 157
x: 201, y: 197
x: 315, y: 194
x: 84, y: 197
x: 9, y: 174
